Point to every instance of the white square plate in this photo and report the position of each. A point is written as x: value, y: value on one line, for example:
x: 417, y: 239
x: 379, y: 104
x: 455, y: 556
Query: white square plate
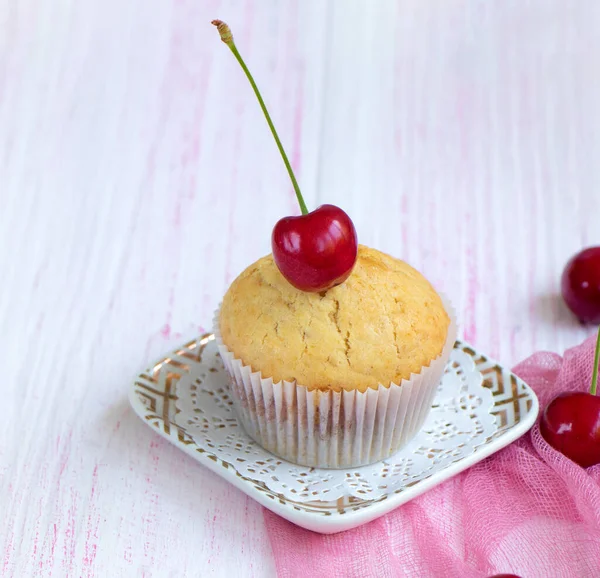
x: 185, y: 397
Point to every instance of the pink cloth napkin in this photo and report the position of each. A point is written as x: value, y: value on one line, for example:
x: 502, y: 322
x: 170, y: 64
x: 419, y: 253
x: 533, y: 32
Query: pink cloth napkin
x: 526, y: 510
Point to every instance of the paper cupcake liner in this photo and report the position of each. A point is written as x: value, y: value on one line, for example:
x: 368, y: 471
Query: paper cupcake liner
x: 328, y: 429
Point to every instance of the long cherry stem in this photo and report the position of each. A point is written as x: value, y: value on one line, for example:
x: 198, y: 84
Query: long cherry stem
x: 227, y: 38
x: 596, y: 364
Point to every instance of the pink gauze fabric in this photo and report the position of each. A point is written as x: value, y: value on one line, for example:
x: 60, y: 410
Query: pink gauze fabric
x: 526, y: 510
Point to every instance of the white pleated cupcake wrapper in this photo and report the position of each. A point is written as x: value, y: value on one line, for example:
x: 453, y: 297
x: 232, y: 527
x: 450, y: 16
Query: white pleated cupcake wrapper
x: 328, y: 429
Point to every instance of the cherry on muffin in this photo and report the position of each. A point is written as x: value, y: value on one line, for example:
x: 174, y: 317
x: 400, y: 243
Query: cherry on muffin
x: 316, y: 250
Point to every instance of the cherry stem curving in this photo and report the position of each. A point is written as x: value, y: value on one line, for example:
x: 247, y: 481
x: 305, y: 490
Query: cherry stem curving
x: 227, y: 38
x: 596, y: 364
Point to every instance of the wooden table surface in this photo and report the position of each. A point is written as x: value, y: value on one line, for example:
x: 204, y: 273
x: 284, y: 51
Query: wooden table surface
x: 138, y: 177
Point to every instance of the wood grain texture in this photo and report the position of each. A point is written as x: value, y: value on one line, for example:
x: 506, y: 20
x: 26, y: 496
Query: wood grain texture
x: 137, y: 178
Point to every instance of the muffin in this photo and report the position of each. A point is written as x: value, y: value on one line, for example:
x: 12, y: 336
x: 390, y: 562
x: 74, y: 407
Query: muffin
x: 336, y: 379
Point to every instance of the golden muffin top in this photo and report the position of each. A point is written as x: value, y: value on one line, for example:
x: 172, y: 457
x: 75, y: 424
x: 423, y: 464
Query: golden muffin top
x: 382, y: 324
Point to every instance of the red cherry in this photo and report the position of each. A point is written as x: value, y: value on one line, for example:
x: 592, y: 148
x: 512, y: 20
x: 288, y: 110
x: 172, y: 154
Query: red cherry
x: 571, y: 422
x: 316, y: 251
x: 571, y: 425
x: 581, y: 285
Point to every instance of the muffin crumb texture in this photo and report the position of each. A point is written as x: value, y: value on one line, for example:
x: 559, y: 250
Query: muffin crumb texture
x: 382, y: 324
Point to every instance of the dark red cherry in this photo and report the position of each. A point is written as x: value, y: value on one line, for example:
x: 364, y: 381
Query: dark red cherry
x: 571, y: 425
x: 581, y: 285
x: 571, y: 422
x: 316, y: 251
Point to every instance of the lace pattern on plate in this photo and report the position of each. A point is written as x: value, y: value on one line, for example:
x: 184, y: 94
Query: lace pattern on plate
x: 460, y: 421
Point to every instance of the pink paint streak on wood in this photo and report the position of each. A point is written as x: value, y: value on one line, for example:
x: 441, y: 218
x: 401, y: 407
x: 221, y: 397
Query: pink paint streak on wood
x: 7, y: 562
x: 470, y: 324
x: 70, y: 531
x: 92, y: 525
